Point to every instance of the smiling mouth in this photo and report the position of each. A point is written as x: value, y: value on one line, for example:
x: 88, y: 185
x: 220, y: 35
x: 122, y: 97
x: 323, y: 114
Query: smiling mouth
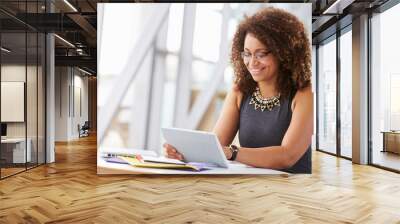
x: 256, y: 70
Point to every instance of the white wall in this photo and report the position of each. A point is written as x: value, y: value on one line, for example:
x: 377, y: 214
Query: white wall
x: 71, y: 87
x: 61, y: 103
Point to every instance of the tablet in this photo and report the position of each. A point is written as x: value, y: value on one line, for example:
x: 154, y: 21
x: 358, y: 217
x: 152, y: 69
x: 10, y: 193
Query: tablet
x: 196, y: 146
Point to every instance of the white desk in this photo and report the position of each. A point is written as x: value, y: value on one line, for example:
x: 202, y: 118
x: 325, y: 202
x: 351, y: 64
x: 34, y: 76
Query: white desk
x: 19, y: 149
x: 104, y: 167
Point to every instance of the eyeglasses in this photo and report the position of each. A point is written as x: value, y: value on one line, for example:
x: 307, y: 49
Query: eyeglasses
x: 260, y: 56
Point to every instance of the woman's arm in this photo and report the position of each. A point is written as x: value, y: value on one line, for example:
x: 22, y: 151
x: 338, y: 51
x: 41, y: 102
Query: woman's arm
x: 228, y: 121
x: 295, y: 142
x: 227, y: 124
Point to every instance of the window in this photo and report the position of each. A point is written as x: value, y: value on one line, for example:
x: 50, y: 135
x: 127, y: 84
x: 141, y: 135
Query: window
x: 385, y: 89
x: 22, y: 74
x: 346, y: 94
x: 327, y: 96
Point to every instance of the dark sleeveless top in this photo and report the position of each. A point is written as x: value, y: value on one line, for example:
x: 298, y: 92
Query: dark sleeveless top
x: 267, y: 128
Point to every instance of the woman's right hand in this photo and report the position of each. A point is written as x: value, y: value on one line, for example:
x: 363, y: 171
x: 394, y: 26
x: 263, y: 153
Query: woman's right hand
x: 171, y: 152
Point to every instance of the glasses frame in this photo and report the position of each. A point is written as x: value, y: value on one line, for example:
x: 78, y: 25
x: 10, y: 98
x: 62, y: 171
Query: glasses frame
x: 256, y: 55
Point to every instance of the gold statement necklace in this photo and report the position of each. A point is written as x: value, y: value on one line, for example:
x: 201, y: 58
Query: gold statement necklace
x: 264, y: 103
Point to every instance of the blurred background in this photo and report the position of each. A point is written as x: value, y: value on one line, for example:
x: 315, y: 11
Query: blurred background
x: 174, y: 75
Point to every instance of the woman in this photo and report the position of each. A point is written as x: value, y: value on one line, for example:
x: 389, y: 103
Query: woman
x: 271, y: 102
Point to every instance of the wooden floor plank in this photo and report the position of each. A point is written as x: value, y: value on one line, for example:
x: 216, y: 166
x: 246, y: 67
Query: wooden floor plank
x: 69, y: 191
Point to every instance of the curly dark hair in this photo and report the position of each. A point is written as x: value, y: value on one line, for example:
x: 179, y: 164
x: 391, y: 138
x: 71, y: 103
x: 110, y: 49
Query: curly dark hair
x: 287, y: 39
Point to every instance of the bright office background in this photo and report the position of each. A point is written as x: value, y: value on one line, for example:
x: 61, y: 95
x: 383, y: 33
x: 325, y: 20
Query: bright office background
x: 171, y: 85
x: 384, y: 89
x: 385, y: 82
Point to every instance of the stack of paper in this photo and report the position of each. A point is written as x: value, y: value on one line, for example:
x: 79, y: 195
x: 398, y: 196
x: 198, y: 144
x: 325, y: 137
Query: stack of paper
x: 153, y: 159
x: 115, y: 151
x: 161, y: 163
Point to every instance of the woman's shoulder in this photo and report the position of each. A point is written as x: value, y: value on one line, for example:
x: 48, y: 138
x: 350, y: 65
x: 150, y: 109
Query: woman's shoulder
x: 306, y: 91
x: 303, y: 96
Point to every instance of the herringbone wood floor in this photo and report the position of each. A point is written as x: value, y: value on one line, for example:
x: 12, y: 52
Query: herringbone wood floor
x: 69, y: 191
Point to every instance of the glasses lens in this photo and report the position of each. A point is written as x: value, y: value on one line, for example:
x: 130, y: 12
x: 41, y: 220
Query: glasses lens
x: 246, y: 57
